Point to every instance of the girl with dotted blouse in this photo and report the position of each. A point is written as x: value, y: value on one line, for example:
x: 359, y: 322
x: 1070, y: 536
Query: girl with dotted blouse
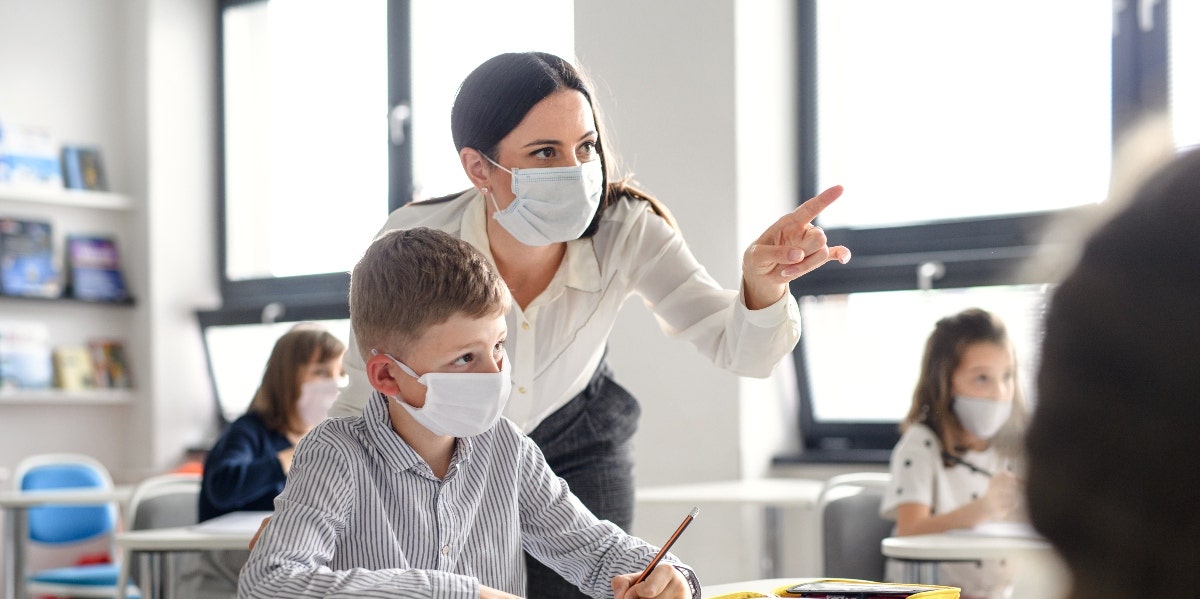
x: 950, y: 469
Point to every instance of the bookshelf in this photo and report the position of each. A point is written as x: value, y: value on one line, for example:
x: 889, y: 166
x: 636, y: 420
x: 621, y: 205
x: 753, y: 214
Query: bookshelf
x: 69, y: 320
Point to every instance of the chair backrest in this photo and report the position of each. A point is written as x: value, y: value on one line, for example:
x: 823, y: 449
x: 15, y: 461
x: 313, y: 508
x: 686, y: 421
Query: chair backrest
x: 164, y: 500
x: 851, y: 527
x: 66, y: 524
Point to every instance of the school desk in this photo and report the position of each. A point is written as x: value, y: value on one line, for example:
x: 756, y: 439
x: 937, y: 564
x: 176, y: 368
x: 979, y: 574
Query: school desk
x: 153, y: 546
x: 921, y: 554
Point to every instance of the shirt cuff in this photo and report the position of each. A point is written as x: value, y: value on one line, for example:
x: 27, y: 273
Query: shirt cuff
x: 690, y: 577
x: 771, y: 316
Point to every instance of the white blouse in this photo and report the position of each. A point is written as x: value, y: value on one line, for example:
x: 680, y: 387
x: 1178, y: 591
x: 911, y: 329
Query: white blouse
x: 558, y: 340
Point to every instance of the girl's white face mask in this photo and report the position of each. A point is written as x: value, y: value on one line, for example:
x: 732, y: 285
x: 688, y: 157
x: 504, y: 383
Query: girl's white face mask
x: 552, y: 205
x: 316, y: 397
x: 982, y: 417
x: 460, y: 404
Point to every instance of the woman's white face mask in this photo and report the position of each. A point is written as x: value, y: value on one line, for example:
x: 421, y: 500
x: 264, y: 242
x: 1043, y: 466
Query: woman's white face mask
x: 460, y: 404
x: 316, y: 397
x: 552, y: 205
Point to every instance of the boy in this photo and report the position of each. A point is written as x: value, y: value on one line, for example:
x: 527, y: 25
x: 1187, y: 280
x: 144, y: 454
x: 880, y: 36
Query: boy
x: 431, y: 493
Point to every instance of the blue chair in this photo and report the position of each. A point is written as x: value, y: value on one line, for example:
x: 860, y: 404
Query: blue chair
x: 64, y: 525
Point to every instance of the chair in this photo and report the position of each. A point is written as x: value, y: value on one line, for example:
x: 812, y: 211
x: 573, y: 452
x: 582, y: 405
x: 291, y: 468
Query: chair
x: 851, y: 527
x: 158, y: 502
x: 63, y: 525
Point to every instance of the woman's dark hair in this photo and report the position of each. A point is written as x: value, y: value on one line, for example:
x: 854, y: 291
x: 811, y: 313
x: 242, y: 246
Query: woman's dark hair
x: 1114, y: 465
x: 303, y: 344
x: 497, y: 95
x: 933, y: 394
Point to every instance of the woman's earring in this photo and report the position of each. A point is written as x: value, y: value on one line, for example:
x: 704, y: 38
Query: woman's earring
x: 483, y: 190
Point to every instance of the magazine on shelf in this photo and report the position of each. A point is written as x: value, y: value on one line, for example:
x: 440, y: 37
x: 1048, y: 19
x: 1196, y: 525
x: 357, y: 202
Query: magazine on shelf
x: 24, y: 356
x: 73, y: 368
x: 83, y: 168
x: 110, y: 364
x: 94, y: 268
x: 27, y: 264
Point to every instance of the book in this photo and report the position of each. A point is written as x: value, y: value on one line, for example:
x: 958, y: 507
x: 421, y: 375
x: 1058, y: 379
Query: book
x: 24, y: 356
x: 27, y: 263
x: 29, y: 157
x: 109, y: 363
x: 73, y: 368
x: 83, y: 168
x: 94, y: 268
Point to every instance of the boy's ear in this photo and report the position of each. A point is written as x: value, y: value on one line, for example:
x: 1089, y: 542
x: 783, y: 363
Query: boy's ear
x: 475, y: 165
x: 380, y: 375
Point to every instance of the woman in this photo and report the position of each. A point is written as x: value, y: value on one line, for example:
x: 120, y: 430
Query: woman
x: 572, y: 242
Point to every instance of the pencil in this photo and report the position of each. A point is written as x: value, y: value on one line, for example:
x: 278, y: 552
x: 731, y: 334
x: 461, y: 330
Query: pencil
x: 667, y: 546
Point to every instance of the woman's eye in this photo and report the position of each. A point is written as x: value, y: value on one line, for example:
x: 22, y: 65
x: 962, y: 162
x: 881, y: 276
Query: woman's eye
x: 587, y: 151
x: 464, y: 359
x: 499, y: 348
x: 544, y: 153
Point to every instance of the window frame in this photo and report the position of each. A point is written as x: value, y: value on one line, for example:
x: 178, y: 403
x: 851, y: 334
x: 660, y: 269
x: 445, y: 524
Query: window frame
x: 324, y: 295
x: 974, y: 252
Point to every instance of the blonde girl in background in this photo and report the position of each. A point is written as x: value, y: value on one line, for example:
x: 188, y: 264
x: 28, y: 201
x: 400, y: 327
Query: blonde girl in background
x: 952, y: 468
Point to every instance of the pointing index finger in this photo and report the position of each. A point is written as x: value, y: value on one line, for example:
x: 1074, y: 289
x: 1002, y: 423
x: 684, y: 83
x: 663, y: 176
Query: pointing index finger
x: 813, y: 207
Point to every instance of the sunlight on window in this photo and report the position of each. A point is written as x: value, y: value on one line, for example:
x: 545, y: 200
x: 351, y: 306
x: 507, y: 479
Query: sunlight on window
x: 939, y: 109
x: 306, y: 139
x: 864, y: 349
x: 306, y: 92
x: 1184, y: 57
x: 446, y: 47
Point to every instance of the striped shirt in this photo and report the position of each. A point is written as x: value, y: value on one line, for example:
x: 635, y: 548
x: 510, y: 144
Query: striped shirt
x: 362, y: 515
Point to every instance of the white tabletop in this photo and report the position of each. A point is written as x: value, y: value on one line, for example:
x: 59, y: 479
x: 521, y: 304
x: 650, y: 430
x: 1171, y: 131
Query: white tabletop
x: 25, y: 499
x: 777, y: 492
x: 230, y: 531
x: 961, y: 546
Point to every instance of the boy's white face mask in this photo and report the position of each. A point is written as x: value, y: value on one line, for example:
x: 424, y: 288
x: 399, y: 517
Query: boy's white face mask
x: 460, y: 404
x: 982, y: 417
x: 552, y: 204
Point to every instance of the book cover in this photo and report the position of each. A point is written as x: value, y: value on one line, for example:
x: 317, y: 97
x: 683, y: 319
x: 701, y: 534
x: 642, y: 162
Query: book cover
x: 109, y: 363
x: 27, y: 264
x: 94, y: 268
x: 29, y: 157
x: 83, y: 168
x: 73, y: 368
x: 24, y: 356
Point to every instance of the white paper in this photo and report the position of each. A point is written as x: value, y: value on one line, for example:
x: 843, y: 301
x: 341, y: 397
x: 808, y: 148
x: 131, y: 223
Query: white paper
x: 233, y: 523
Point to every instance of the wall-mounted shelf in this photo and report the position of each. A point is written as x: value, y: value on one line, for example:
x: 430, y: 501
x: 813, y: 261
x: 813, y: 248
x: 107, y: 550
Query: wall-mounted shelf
x: 125, y: 303
x: 104, y: 200
x: 87, y: 397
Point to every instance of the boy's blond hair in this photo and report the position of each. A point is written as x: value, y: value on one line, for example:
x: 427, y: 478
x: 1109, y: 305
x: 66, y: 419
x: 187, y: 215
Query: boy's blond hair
x: 412, y: 279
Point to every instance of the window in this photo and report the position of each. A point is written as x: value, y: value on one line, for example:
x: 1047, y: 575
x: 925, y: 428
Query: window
x: 959, y: 129
x: 333, y: 113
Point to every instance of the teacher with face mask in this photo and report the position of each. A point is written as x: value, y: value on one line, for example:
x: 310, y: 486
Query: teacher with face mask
x: 573, y: 242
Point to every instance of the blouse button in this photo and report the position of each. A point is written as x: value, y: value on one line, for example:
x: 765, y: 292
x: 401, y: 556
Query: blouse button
x: 525, y: 326
x: 445, y: 550
x: 521, y: 390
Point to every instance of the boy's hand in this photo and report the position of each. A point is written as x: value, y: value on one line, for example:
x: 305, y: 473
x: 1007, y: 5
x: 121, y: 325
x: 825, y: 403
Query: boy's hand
x: 490, y: 593
x: 664, y: 582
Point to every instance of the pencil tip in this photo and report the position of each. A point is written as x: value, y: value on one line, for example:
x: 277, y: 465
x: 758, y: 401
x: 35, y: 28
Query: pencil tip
x: 695, y: 512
